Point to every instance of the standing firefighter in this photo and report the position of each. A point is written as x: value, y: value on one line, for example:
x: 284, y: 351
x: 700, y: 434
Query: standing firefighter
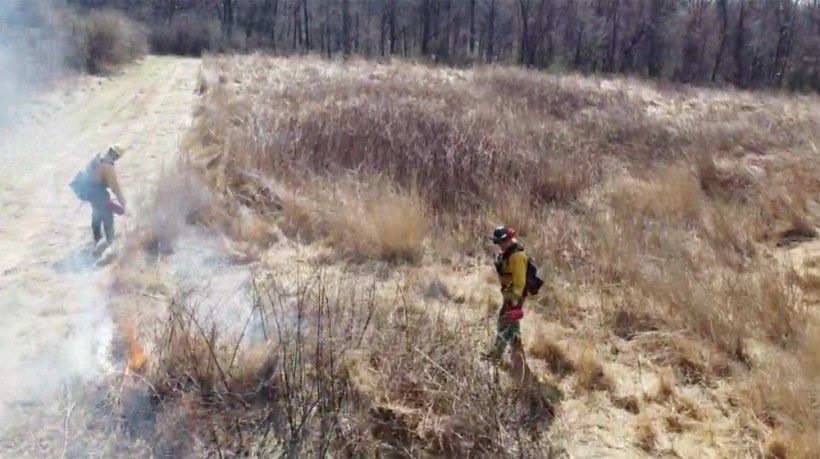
x: 519, y: 278
x: 92, y: 185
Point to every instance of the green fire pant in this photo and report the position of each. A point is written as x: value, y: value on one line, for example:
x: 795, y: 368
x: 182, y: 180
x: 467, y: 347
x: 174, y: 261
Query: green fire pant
x: 102, y: 218
x: 506, y: 333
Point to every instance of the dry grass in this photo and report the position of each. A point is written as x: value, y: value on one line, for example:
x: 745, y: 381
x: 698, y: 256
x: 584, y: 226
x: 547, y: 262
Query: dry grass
x: 663, y: 207
x: 645, y: 433
x: 332, y: 372
x: 362, y: 221
x: 378, y: 223
x: 783, y: 444
x: 666, y: 384
x: 183, y: 200
x: 590, y: 372
x: 553, y: 353
x: 628, y: 403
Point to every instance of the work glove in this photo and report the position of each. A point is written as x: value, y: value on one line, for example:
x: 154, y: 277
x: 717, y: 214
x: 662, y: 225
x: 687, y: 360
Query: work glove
x: 514, y: 314
x: 116, y: 208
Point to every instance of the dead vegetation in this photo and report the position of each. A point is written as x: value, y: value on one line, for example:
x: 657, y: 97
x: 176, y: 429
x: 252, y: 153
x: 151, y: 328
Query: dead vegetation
x: 662, y: 206
x: 102, y: 40
x: 320, y: 368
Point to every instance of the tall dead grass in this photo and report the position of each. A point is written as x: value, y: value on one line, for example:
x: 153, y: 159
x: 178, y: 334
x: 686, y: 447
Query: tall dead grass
x: 324, y: 366
x: 362, y: 220
x: 665, y: 202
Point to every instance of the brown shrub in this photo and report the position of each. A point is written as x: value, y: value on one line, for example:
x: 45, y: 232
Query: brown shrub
x: 590, y: 372
x: 356, y: 377
x: 628, y: 403
x: 544, y: 348
x: 103, y: 40
x: 410, y: 128
x: 775, y: 448
x: 722, y: 181
x: 666, y: 384
x: 646, y: 436
x: 366, y: 220
x: 388, y: 226
x: 687, y: 406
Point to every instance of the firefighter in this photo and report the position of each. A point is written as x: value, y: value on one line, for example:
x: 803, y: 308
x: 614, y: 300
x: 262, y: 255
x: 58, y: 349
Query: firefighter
x: 511, y: 266
x: 102, y: 177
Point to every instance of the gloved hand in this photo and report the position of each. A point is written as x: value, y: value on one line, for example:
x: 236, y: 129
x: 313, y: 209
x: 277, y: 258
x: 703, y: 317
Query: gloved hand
x: 514, y: 314
x: 116, y: 208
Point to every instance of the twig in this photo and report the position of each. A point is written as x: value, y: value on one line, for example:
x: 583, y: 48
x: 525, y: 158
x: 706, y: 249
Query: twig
x: 211, y: 350
x: 241, y: 336
x: 65, y: 427
x: 427, y: 357
x: 640, y: 375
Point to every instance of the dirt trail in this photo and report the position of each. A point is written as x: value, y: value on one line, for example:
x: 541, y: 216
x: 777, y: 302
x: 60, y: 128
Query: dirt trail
x: 55, y: 324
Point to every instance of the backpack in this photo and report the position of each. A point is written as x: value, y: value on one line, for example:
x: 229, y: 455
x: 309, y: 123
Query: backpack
x: 82, y: 184
x: 534, y: 282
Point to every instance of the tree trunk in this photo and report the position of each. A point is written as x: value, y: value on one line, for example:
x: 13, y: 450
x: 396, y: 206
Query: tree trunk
x: 550, y: 51
x: 328, y: 44
x: 404, y: 40
x: 724, y: 25
x: 356, y: 43
x: 739, y: 48
x: 579, y: 40
x: 383, y: 24
x: 655, y: 53
x: 307, y: 23
x: 227, y: 17
x: 426, y: 15
x: 783, y: 48
x: 444, y: 35
x: 346, y: 27
x: 392, y: 23
x: 690, y: 46
x: 613, y: 39
x: 297, y: 28
x: 472, y: 27
x: 628, y: 56
x: 524, y: 10
x: 274, y: 5
x: 491, y: 32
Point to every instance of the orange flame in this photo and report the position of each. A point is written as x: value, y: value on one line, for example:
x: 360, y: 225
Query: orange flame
x: 136, y: 356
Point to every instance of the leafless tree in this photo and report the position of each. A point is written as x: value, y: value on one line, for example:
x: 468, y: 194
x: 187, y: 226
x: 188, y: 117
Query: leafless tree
x: 741, y: 42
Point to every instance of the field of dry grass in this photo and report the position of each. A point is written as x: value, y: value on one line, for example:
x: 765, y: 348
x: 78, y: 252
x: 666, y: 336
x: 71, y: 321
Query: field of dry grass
x: 680, y: 316
x: 661, y: 213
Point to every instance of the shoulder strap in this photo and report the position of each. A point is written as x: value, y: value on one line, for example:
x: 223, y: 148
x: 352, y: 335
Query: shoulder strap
x: 94, y: 164
x: 515, y: 248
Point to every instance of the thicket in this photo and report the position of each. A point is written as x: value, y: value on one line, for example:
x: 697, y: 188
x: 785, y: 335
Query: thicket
x: 767, y: 43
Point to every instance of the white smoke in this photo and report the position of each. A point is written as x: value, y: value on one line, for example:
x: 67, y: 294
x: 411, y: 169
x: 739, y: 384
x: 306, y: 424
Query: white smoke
x: 55, y: 319
x: 31, y: 52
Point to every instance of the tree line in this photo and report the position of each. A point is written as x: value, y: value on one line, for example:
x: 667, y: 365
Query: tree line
x: 746, y: 43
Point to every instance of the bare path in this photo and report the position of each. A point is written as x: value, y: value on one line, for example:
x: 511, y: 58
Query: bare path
x: 54, y: 325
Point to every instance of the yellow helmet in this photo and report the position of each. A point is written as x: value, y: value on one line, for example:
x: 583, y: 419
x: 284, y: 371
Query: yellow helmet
x: 117, y: 151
